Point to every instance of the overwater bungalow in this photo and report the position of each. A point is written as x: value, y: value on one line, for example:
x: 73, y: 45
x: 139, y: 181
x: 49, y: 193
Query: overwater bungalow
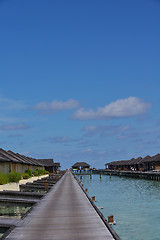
x: 153, y: 163
x: 122, y: 165
x: 81, y: 166
x: 147, y: 163
x: 118, y: 165
x: 135, y: 164
x: 139, y: 164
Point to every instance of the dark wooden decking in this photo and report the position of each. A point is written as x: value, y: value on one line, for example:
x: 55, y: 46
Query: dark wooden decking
x: 9, y: 221
x: 64, y: 213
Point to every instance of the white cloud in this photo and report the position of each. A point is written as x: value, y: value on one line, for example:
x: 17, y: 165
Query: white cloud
x: 121, y: 108
x: 14, y: 127
x: 54, y: 106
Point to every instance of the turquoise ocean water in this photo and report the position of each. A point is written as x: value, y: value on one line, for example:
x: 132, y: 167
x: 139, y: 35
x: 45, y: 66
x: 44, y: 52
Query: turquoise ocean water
x: 135, y: 204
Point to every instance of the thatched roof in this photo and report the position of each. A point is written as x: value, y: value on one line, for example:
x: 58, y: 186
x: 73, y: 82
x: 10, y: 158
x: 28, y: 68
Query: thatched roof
x: 3, y: 159
x: 134, y: 161
x: 20, y: 158
x: 126, y: 162
x: 81, y: 164
x: 5, y: 155
x: 121, y: 162
x: 57, y: 164
x: 23, y: 159
x: 147, y: 159
x: 9, y: 156
x: 46, y: 162
x: 156, y: 158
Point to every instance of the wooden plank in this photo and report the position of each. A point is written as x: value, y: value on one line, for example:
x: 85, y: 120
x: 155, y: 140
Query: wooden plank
x: 14, y: 201
x: 9, y: 221
x: 19, y: 194
x: 65, y: 213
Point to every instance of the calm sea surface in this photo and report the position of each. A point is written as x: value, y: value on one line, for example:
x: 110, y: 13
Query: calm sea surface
x: 135, y: 204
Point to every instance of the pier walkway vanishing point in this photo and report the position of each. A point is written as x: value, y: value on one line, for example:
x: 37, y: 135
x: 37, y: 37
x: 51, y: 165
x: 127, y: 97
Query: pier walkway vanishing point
x: 65, y: 213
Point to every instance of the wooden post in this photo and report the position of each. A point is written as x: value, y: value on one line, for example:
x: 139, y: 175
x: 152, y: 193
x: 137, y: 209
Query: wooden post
x: 110, y: 219
x: 46, y: 185
x: 93, y: 198
x: 86, y: 190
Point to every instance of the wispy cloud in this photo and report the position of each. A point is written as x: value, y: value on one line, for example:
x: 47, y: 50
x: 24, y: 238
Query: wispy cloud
x: 61, y: 139
x: 55, y: 106
x: 57, y: 139
x: 4, y: 118
x: 9, y: 104
x: 14, y: 127
x: 105, y: 130
x: 16, y: 135
x: 121, y: 108
x: 9, y: 108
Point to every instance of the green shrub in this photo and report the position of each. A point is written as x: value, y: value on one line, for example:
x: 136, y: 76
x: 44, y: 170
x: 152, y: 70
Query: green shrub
x: 14, y: 177
x: 3, y: 178
x: 37, y: 170
x: 40, y: 172
x: 44, y: 172
x: 29, y: 172
x: 35, y: 173
x: 25, y: 175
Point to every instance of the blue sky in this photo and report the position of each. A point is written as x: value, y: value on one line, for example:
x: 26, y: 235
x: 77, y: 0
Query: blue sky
x: 80, y: 80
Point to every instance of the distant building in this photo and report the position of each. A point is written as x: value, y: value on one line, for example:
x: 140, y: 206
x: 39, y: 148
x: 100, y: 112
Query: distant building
x: 80, y: 166
x: 49, y: 165
x: 10, y: 161
x: 147, y: 163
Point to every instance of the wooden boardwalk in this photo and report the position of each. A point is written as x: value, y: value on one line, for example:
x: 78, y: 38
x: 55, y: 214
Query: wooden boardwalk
x: 9, y: 221
x: 65, y: 213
